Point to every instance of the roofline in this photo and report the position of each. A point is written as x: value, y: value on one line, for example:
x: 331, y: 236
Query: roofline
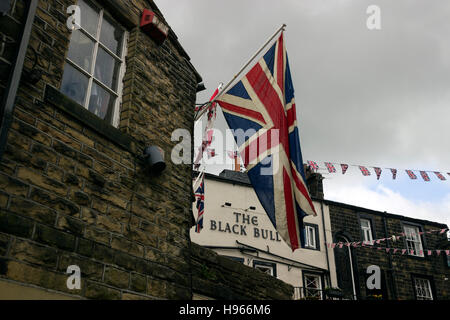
x: 172, y: 36
x: 340, y: 204
x: 380, y: 213
x: 222, y: 179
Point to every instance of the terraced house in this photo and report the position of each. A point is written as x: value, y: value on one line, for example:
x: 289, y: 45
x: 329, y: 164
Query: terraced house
x: 86, y: 87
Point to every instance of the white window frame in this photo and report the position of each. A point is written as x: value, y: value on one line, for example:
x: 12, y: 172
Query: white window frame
x: 366, y: 231
x: 413, y: 240
x: 316, y: 292
x: 265, y: 269
x: 268, y: 268
x: 423, y: 290
x: 90, y: 75
x: 310, y: 242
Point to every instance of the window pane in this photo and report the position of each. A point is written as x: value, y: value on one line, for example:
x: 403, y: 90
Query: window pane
x: 74, y: 84
x: 80, y: 50
x: 111, y: 36
x: 106, y: 69
x: 101, y: 101
x: 311, y: 237
x: 89, y: 17
x: 365, y: 223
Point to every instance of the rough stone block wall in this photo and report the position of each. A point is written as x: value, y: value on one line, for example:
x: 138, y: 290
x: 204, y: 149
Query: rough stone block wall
x: 71, y: 195
x: 345, y: 220
x: 219, y: 277
x: 75, y: 191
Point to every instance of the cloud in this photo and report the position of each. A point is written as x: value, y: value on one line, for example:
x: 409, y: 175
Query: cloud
x: 375, y: 98
x: 383, y: 198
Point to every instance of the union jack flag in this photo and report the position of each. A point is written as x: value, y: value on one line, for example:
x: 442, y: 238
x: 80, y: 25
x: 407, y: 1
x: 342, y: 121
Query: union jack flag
x: 344, y: 168
x: 330, y: 167
x: 439, y: 175
x: 425, y: 176
x: 199, y: 194
x: 394, y: 173
x: 377, y: 172
x: 313, y: 165
x: 262, y: 102
x: 411, y: 174
x: 364, y: 171
x: 211, y: 152
x: 232, y: 154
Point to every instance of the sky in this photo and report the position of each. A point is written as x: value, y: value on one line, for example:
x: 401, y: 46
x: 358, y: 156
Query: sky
x: 364, y: 97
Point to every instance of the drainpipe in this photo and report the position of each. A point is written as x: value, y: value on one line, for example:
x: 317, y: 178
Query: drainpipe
x: 326, y: 248
x: 13, y: 83
x: 391, y: 269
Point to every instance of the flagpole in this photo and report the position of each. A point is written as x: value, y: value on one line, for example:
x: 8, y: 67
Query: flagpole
x: 282, y: 28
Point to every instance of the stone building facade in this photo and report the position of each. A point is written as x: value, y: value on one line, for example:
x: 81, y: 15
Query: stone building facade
x: 403, y: 277
x: 413, y: 275
x: 79, y: 107
x: 236, y: 226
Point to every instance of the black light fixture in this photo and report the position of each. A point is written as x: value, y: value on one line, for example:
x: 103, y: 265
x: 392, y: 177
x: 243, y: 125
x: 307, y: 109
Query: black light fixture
x: 154, y: 158
x: 200, y: 87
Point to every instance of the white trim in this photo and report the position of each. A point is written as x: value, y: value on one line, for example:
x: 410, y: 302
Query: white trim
x: 310, y: 230
x: 366, y: 231
x: 414, y: 237
x: 421, y: 284
x: 116, y: 94
x: 117, y: 105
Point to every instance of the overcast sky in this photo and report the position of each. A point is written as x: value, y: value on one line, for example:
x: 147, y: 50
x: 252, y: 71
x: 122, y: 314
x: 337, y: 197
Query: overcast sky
x: 364, y: 97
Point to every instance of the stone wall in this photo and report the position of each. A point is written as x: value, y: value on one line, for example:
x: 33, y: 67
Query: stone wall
x: 398, y: 270
x: 74, y: 190
x: 219, y: 277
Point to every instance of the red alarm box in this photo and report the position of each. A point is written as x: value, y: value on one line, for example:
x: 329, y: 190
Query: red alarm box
x: 154, y: 27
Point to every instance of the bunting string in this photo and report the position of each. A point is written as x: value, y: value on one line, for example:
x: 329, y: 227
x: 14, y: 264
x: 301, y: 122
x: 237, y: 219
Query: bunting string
x: 392, y: 238
x: 402, y: 251
x: 365, y: 170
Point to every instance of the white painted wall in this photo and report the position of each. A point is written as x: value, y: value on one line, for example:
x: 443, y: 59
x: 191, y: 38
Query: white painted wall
x: 231, y: 223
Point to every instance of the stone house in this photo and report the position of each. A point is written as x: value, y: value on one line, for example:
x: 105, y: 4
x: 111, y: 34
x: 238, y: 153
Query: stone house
x: 409, y: 276
x: 79, y: 106
x: 413, y: 275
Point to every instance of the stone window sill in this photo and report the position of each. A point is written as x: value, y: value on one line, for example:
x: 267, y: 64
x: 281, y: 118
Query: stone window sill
x: 62, y: 102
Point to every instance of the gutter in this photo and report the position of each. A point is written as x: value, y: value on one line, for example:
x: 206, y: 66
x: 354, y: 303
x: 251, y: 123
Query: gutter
x: 325, y: 236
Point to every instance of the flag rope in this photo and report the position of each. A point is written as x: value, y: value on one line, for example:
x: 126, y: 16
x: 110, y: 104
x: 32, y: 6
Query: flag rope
x: 393, y: 238
x: 329, y: 167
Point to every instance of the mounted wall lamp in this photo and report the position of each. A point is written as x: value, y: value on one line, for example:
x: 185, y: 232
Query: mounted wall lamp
x: 154, y: 159
x: 201, y: 87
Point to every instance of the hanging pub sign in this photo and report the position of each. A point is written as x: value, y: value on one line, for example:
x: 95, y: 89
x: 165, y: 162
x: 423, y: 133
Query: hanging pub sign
x: 154, y: 27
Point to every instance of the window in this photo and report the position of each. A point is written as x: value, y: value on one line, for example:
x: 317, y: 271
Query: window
x: 366, y: 230
x: 241, y: 260
x: 310, y: 237
x: 266, y: 267
x: 312, y: 286
x: 95, y: 63
x: 423, y: 289
x: 413, y: 241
